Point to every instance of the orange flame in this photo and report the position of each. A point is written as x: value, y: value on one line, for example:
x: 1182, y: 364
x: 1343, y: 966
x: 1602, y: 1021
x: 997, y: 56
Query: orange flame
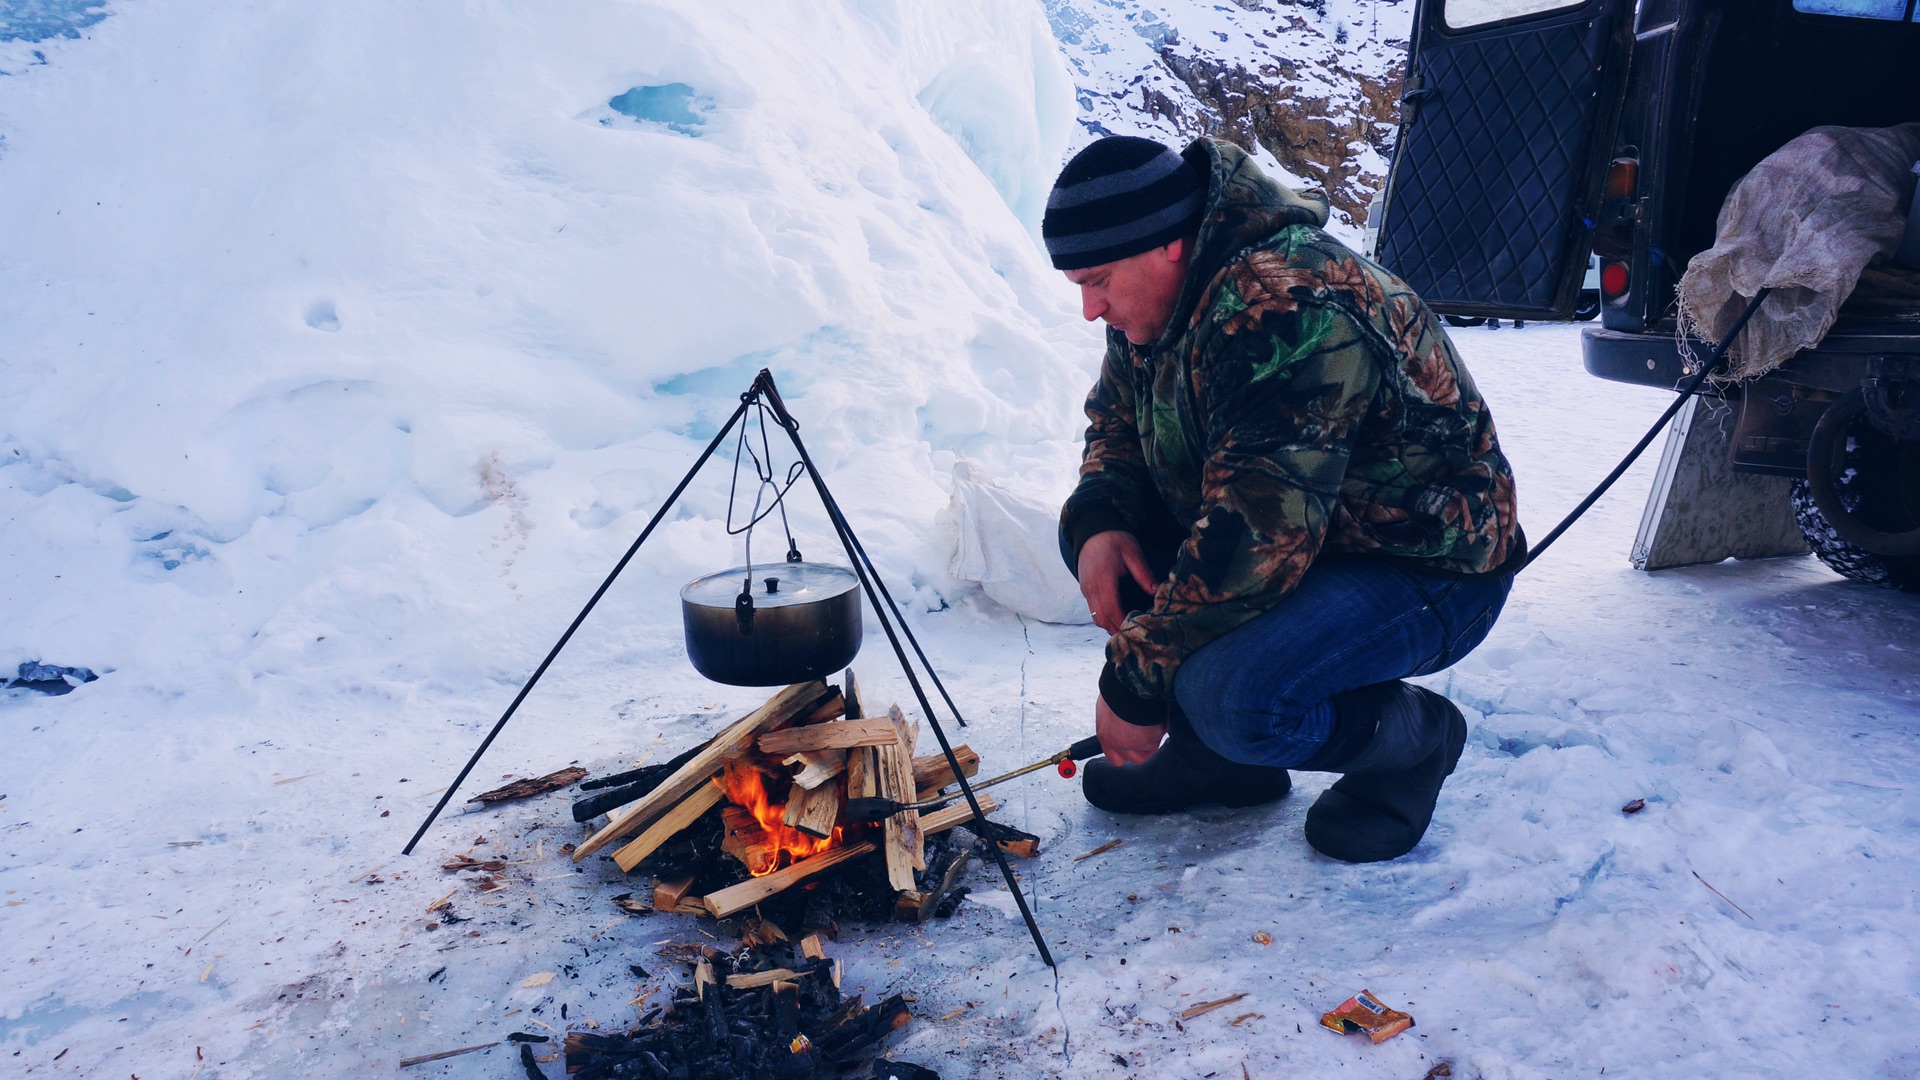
x: 747, y: 788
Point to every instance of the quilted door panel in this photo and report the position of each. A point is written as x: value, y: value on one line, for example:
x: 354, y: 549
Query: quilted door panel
x: 1499, y: 161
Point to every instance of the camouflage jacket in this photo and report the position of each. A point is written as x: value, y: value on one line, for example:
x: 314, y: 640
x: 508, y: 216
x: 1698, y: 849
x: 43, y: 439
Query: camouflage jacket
x: 1301, y: 402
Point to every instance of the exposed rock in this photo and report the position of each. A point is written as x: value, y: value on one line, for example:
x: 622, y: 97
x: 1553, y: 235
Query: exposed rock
x: 1310, y: 94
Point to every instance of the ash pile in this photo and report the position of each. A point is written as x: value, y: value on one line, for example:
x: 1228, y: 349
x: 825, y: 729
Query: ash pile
x: 771, y: 1009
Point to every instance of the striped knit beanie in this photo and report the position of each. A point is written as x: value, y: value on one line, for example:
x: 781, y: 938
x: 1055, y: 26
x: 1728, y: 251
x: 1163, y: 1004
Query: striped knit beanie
x: 1118, y: 197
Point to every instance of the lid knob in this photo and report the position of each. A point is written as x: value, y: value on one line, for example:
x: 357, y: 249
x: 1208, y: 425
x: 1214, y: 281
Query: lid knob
x: 773, y: 585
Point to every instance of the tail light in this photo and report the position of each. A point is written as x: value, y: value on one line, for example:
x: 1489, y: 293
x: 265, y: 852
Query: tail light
x: 1614, y: 279
x: 1619, y: 209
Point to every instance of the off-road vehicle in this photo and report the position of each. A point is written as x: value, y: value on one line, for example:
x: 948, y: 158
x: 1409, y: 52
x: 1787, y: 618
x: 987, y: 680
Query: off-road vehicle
x: 1534, y: 131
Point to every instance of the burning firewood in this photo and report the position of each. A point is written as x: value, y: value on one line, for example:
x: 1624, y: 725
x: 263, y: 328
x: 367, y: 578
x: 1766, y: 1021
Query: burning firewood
x: 795, y: 701
x: 733, y: 826
x: 704, y: 798
x: 814, y: 812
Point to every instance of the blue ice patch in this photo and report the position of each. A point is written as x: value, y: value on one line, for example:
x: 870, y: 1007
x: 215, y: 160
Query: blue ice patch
x: 672, y: 104
x: 38, y: 20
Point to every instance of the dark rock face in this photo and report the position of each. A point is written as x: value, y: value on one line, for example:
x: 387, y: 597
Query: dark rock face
x: 1314, y: 137
x: 1314, y: 92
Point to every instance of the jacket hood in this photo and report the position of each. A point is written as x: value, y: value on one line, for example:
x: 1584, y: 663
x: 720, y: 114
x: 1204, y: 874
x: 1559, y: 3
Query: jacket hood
x: 1244, y: 207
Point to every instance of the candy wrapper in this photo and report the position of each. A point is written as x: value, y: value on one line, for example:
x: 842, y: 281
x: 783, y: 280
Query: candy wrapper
x: 1363, y: 1013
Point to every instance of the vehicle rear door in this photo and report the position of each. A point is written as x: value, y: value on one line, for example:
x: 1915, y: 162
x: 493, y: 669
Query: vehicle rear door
x: 1507, y: 124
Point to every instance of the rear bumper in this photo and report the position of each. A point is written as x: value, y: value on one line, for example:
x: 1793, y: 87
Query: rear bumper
x: 1836, y: 365
x: 1777, y: 411
x: 1643, y: 359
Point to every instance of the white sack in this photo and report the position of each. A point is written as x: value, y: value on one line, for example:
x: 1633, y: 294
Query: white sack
x: 1008, y: 545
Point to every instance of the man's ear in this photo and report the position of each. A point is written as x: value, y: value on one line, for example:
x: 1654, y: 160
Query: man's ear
x: 1179, y: 248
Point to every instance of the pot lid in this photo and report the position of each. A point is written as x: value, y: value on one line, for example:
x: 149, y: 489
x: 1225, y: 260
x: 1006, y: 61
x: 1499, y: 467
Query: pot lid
x: 774, y: 585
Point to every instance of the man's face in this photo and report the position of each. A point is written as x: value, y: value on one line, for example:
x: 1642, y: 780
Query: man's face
x: 1135, y: 295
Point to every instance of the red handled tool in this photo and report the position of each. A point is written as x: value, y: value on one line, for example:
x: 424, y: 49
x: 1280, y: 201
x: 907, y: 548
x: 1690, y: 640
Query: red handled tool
x: 868, y: 811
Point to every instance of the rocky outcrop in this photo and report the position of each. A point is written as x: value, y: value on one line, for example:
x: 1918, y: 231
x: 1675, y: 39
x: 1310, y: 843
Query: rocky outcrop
x: 1314, y: 137
x: 1306, y: 85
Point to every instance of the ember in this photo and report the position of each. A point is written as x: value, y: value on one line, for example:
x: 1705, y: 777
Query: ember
x: 746, y: 788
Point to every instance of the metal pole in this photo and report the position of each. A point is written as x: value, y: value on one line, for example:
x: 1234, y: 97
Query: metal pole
x: 863, y: 570
x: 745, y: 401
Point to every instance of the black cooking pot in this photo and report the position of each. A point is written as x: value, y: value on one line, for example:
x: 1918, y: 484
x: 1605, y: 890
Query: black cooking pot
x: 798, y: 621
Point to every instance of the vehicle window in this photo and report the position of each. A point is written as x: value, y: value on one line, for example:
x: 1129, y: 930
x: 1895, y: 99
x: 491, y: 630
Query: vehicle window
x: 1858, y: 9
x: 1461, y: 14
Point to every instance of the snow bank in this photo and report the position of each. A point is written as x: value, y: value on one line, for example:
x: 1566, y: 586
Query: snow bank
x: 340, y: 278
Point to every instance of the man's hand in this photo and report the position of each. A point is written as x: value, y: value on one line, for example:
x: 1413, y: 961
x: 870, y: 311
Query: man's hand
x: 1104, y: 558
x: 1124, y: 743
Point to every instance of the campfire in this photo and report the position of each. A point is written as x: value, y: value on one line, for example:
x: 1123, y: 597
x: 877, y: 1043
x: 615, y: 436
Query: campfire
x: 762, y: 807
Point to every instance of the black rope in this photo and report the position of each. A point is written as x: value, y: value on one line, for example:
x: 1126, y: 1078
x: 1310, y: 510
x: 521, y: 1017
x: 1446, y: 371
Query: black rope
x: 1687, y: 390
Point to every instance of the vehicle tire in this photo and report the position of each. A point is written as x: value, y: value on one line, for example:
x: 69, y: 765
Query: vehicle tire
x: 1589, y: 308
x: 1865, y: 481
x: 1464, y: 320
x: 1845, y: 558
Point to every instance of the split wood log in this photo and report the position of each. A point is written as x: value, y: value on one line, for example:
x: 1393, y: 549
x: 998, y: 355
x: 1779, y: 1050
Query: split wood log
x: 811, y: 948
x: 932, y: 772
x: 851, y: 694
x: 901, y: 838
x: 735, y: 898
x: 668, y: 894
x: 832, y: 735
x: 686, y: 812
x: 831, y: 709
x: 939, y: 821
x: 740, y: 898
x: 762, y: 978
x: 814, y: 812
x: 816, y: 767
x: 863, y: 781
x: 745, y: 839
x: 539, y: 785
x: 780, y: 710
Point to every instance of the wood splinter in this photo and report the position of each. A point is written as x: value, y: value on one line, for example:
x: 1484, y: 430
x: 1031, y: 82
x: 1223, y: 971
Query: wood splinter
x: 817, y: 766
x: 538, y: 785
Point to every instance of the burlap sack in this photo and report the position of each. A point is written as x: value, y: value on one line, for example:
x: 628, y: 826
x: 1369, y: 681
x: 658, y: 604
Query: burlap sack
x: 1806, y: 221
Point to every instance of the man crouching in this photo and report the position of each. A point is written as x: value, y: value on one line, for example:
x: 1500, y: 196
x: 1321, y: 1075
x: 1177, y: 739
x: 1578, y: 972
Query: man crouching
x: 1291, y: 499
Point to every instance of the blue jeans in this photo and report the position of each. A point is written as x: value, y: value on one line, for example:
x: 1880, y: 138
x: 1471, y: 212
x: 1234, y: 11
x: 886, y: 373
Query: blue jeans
x: 1258, y: 695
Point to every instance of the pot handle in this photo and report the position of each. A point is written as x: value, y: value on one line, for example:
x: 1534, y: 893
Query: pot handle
x: 743, y: 612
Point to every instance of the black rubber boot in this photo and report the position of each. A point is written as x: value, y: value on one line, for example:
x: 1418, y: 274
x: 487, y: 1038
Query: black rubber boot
x: 1182, y: 774
x: 1396, y: 743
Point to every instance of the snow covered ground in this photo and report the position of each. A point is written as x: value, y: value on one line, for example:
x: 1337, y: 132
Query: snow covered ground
x: 344, y: 349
